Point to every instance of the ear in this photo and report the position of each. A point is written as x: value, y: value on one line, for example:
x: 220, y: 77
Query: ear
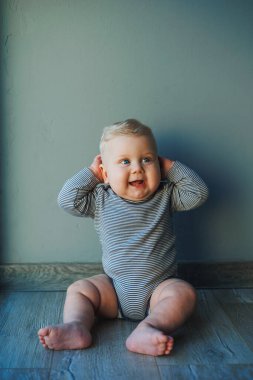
x: 104, y: 173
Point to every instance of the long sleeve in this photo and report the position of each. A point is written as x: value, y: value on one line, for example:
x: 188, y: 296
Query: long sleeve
x: 189, y: 191
x: 77, y: 196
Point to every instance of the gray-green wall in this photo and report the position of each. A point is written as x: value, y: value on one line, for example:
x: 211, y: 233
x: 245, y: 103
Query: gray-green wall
x: 68, y: 68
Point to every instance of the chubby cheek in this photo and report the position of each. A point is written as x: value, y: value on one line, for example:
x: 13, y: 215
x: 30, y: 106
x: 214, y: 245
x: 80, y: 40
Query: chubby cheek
x: 117, y: 181
x: 154, y: 186
x: 119, y: 189
x: 109, y: 175
x: 155, y: 177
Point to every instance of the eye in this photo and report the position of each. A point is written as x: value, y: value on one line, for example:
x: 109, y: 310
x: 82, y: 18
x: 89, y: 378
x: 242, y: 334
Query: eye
x: 125, y: 162
x: 146, y: 160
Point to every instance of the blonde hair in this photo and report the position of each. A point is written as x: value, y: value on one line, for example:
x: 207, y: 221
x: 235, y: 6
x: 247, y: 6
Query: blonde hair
x: 129, y: 127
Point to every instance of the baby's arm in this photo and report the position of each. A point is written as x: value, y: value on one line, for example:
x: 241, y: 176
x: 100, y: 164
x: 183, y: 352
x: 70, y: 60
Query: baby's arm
x: 78, y: 193
x: 188, y: 189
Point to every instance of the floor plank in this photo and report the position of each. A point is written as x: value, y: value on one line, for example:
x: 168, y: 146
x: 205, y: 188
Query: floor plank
x: 208, y: 337
x: 215, y: 343
x: 21, y: 315
x: 246, y: 295
x: 207, y: 372
x: 238, y: 306
x: 108, y: 357
x: 24, y: 374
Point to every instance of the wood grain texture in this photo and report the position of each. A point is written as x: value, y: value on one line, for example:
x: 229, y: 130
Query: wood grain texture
x: 227, y: 342
x: 207, y: 372
x: 209, y: 337
x: 218, y: 275
x: 108, y: 357
x: 54, y: 277
x: 238, y: 306
x: 24, y: 374
x: 46, y: 277
x: 21, y: 315
x: 216, y: 343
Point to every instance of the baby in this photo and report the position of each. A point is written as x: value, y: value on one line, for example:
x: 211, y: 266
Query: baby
x: 132, y: 194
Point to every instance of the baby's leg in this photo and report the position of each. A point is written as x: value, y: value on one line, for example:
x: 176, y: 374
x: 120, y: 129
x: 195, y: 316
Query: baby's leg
x: 85, y: 299
x: 172, y: 302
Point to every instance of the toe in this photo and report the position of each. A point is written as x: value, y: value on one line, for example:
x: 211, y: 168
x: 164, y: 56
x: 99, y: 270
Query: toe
x: 161, y: 350
x: 42, y: 340
x: 167, y: 351
x: 163, y: 339
x: 43, y: 331
x: 169, y: 346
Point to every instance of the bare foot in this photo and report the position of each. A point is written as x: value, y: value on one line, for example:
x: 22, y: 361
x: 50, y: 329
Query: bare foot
x: 67, y: 336
x: 146, y: 339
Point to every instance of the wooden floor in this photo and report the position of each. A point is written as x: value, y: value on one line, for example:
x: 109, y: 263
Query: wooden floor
x: 217, y: 343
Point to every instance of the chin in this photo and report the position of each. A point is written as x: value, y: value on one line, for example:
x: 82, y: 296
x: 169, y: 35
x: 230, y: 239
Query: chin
x: 140, y: 197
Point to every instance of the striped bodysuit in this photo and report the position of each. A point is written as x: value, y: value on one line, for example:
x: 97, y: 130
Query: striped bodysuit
x: 137, y: 238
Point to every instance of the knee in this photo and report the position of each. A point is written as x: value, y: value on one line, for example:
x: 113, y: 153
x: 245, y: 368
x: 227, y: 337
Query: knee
x: 84, y: 286
x: 191, y: 296
x: 87, y: 289
x: 185, y: 295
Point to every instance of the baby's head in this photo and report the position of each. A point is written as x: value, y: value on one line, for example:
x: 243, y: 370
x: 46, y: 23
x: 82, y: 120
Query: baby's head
x: 129, y: 160
x: 129, y: 127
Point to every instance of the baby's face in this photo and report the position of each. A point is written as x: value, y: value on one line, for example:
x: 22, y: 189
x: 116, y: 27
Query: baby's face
x: 131, y: 167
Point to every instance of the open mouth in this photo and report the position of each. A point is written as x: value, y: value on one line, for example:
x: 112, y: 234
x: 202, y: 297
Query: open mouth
x: 138, y: 183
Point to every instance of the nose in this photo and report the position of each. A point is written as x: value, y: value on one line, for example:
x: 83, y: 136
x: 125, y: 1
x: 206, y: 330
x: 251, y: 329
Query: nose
x: 136, y: 167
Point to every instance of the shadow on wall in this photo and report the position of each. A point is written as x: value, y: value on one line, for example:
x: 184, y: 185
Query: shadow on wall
x: 193, y: 228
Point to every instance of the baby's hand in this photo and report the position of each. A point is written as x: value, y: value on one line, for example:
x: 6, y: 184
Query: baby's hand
x: 95, y: 167
x: 165, y: 165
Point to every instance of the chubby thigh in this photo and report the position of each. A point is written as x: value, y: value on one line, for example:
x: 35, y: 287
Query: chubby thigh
x: 108, y: 302
x: 177, y: 290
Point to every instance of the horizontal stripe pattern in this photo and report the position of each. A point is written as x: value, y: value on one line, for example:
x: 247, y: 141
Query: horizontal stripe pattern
x: 137, y: 238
